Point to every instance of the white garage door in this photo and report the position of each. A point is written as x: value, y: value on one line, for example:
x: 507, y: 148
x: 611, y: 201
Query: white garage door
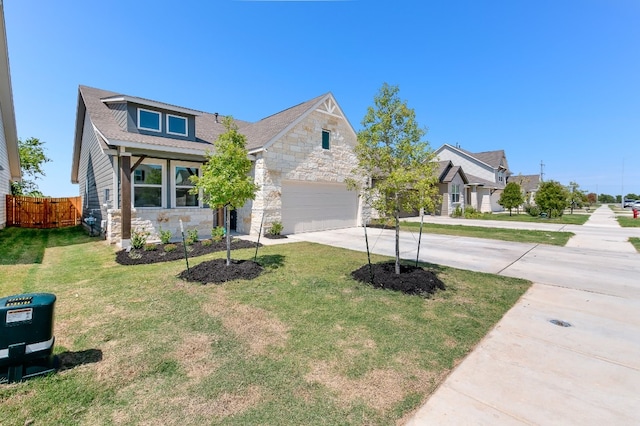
x: 311, y: 206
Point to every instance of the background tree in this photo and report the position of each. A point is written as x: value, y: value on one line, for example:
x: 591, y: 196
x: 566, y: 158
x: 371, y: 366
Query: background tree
x: 552, y: 198
x: 606, y: 198
x: 632, y: 196
x: 576, y: 196
x: 32, y: 160
x: 618, y: 198
x: 225, y: 180
x: 592, y: 198
x: 392, y: 154
x: 511, y: 196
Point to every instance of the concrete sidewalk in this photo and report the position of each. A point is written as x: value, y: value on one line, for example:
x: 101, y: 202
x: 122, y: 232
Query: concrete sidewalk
x: 528, y: 370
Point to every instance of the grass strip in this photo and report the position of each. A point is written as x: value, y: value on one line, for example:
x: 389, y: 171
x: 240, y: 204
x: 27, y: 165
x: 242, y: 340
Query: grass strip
x: 636, y: 242
x: 628, y: 222
x: 514, y: 235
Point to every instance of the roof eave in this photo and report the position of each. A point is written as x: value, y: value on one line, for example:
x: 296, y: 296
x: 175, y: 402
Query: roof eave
x: 8, y: 111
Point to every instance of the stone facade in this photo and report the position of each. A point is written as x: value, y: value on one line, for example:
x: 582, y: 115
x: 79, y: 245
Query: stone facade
x: 298, y: 156
x: 153, y: 219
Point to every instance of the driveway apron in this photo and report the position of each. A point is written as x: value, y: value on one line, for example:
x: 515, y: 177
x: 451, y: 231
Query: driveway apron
x: 528, y: 370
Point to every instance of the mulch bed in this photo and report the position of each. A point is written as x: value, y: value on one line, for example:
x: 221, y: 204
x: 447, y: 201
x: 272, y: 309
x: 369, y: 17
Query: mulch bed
x: 411, y: 280
x: 274, y: 237
x: 216, y: 271
x: 142, y: 257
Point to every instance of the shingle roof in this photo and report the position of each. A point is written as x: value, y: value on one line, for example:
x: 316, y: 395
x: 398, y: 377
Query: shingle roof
x: 492, y: 158
x: 207, y: 129
x: 527, y: 182
x: 475, y: 180
x: 447, y: 171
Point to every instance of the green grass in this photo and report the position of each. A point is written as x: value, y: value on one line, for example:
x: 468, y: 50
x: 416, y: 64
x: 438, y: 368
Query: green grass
x: 301, y: 344
x: 516, y: 235
x: 636, y: 242
x: 628, y: 222
x: 565, y: 219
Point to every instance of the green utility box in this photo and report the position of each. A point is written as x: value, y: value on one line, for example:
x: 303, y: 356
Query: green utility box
x: 26, y: 336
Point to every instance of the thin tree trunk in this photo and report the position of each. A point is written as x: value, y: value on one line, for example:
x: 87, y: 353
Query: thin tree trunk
x: 397, y: 214
x: 366, y: 240
x: 419, y: 236
x: 227, y: 219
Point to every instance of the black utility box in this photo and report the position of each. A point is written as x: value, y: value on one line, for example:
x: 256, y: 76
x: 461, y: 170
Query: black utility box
x: 26, y: 335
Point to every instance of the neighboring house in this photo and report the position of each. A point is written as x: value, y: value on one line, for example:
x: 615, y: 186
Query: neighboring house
x: 132, y: 158
x: 486, y: 174
x: 529, y: 185
x: 9, y: 154
x: 452, y: 181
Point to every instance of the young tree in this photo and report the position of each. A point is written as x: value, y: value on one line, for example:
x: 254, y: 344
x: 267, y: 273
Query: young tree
x: 552, y: 198
x: 392, y: 154
x: 576, y: 196
x: 511, y: 196
x: 225, y: 180
x: 592, y: 198
x: 32, y: 160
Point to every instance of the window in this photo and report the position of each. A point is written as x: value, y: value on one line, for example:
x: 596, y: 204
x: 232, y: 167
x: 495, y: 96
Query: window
x: 176, y: 125
x: 182, y: 184
x: 147, y: 185
x: 148, y: 120
x: 455, y: 193
x: 325, y: 139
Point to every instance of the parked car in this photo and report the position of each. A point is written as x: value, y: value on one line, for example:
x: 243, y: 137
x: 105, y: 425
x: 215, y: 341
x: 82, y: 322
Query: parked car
x: 629, y: 203
x: 636, y: 205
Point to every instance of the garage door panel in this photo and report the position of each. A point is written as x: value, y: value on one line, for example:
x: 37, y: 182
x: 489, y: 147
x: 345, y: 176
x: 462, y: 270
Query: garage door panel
x: 312, y: 206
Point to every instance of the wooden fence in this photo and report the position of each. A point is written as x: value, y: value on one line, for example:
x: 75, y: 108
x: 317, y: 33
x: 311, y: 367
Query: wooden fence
x: 34, y: 212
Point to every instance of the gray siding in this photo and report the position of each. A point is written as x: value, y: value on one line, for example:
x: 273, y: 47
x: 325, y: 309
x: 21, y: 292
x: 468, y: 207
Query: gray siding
x: 120, y: 113
x: 5, y: 176
x: 132, y: 123
x: 95, y: 173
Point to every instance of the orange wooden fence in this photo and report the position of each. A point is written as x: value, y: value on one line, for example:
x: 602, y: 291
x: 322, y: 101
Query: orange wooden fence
x: 34, y: 212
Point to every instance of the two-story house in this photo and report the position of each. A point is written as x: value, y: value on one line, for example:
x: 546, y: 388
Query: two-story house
x: 132, y: 158
x: 486, y: 175
x: 9, y: 154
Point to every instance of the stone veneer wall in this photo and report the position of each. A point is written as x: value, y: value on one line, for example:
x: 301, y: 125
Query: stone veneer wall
x: 299, y: 156
x: 153, y: 219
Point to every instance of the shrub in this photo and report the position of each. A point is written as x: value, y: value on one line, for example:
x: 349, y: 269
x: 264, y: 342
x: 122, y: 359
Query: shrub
x: 150, y: 247
x: 532, y: 210
x: 135, y: 254
x: 207, y: 243
x: 192, y: 236
x: 471, y: 213
x: 457, y: 212
x: 139, y: 238
x: 170, y: 247
x: 217, y: 233
x: 276, y: 228
x: 165, y: 236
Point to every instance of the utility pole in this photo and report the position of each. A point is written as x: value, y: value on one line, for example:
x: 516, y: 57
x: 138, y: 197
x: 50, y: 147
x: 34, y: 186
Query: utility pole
x: 541, y: 171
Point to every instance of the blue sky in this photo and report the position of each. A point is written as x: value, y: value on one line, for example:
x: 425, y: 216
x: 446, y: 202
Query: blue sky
x: 554, y: 81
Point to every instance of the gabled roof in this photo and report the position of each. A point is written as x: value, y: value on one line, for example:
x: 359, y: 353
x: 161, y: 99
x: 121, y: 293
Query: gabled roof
x: 259, y: 134
x: 493, y: 159
x: 6, y: 105
x: 447, y: 171
x: 528, y: 183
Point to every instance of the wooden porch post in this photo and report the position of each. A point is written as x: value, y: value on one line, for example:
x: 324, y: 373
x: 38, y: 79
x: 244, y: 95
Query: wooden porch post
x: 125, y: 196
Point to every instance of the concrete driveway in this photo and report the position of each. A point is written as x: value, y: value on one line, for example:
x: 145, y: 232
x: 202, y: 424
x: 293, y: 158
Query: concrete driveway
x: 528, y: 370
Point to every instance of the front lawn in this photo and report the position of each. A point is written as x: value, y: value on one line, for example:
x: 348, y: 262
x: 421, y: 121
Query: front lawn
x: 628, y: 222
x: 301, y: 344
x: 636, y: 243
x: 516, y: 235
x: 565, y: 219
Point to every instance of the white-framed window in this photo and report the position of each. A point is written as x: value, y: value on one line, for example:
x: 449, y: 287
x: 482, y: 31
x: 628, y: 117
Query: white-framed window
x: 149, y: 120
x: 148, y: 184
x: 177, y: 125
x: 181, y: 184
x: 501, y: 176
x: 455, y: 193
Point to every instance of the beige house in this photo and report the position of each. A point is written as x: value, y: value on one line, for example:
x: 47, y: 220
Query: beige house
x: 133, y: 157
x: 9, y: 155
x: 529, y: 185
x: 486, y: 174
